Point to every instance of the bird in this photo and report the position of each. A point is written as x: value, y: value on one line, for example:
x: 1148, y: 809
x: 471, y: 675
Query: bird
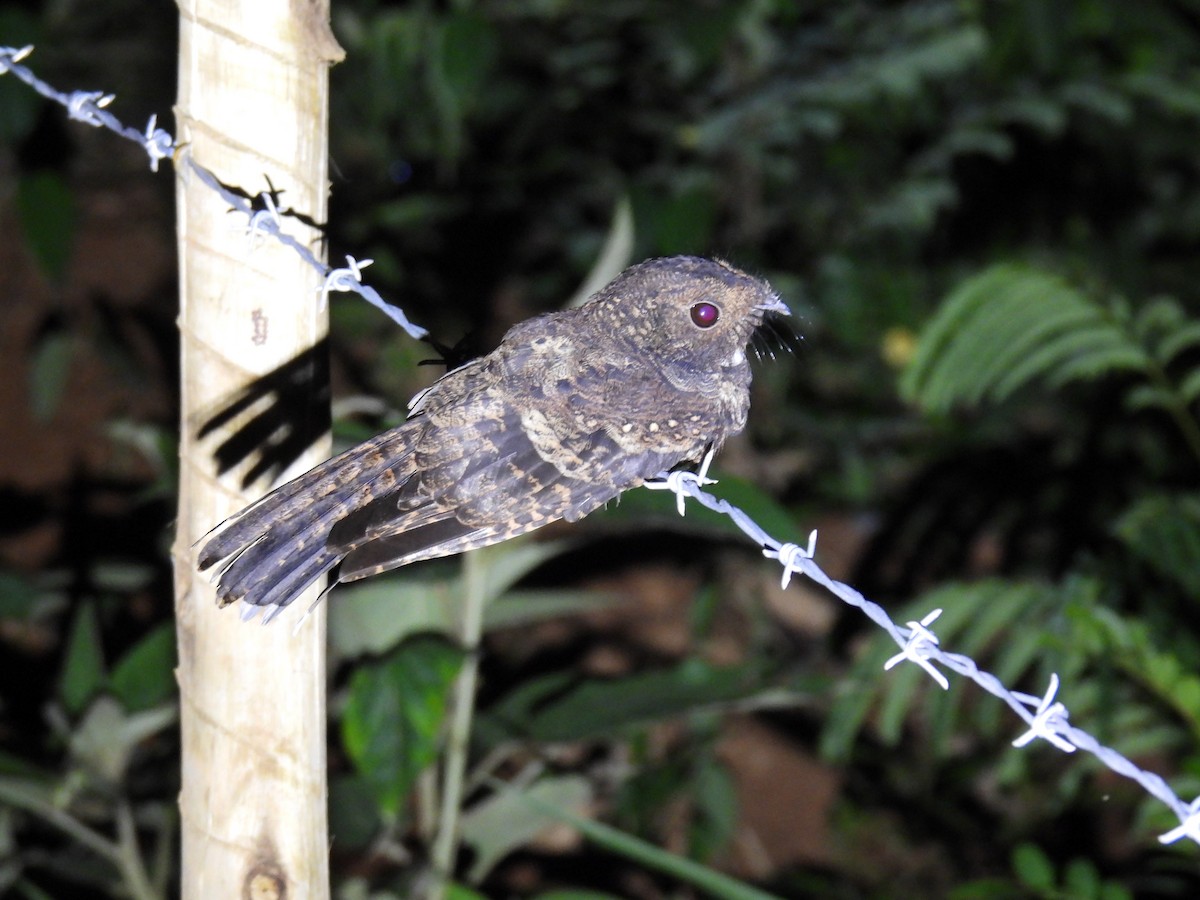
x: 570, y: 410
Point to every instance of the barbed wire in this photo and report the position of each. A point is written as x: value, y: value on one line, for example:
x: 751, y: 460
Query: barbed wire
x: 1046, y: 717
x: 262, y: 213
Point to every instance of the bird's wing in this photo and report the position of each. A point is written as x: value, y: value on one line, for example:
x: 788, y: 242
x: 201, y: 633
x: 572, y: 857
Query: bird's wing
x: 488, y: 469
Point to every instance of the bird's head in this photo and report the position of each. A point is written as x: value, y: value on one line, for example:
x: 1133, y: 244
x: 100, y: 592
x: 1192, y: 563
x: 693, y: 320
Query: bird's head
x: 688, y: 310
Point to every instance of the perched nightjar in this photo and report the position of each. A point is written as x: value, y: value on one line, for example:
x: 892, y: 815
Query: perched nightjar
x: 571, y: 409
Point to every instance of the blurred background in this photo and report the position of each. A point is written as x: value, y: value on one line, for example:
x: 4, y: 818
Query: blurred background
x: 985, y: 217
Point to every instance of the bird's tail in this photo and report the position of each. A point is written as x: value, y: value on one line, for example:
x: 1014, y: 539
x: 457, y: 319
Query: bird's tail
x: 271, y: 551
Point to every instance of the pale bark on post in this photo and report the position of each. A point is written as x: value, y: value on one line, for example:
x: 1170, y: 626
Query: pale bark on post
x: 253, y: 80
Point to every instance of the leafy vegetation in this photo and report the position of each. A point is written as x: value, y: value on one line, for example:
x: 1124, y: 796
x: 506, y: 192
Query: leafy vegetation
x: 984, y: 216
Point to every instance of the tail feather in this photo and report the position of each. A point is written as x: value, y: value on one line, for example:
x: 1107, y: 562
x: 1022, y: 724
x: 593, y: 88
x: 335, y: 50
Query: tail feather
x: 235, y: 533
x: 316, y: 488
x: 274, y: 549
x: 292, y: 581
x: 286, y: 558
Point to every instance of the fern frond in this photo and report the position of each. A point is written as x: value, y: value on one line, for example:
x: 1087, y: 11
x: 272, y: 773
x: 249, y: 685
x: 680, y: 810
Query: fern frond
x: 1150, y: 396
x: 1185, y: 338
x: 1160, y: 315
x: 1087, y: 352
x: 986, y: 620
x: 1010, y: 326
x: 1189, y: 388
x: 1160, y: 662
x: 1163, y: 531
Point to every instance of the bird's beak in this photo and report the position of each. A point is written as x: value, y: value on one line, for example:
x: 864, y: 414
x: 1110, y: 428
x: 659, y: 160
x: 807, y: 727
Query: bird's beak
x: 775, y: 305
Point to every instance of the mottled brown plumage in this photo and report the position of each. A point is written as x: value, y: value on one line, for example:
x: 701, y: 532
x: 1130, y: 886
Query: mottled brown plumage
x: 570, y: 410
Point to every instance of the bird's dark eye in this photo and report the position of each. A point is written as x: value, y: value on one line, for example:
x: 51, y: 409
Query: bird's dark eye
x: 705, y: 315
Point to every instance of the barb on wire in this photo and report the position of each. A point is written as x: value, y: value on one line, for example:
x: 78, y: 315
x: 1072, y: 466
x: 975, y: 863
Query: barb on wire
x: 921, y: 644
x: 1049, y: 718
x: 789, y: 556
x: 672, y: 481
x: 264, y: 220
x: 343, y: 279
x: 90, y: 107
x: 1189, y: 827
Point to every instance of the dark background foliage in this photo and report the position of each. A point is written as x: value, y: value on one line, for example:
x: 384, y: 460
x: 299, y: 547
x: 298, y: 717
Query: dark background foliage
x: 886, y: 166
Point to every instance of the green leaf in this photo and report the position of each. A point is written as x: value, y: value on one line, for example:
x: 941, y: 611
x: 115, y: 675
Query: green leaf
x: 1189, y: 387
x: 901, y: 72
x: 1033, y: 868
x: 1037, y: 113
x: 373, y: 617
x: 985, y: 618
x: 1184, y: 336
x: 468, y: 52
x: 551, y: 709
x: 394, y: 714
x: 853, y: 698
x: 1011, y: 326
x: 1081, y: 879
x: 507, y: 820
x: 526, y: 607
x: 83, y: 668
x: 1132, y: 645
x: 984, y: 889
x: 106, y: 737
x: 715, y: 798
x: 121, y: 577
x: 1114, y: 891
x: 1175, y: 97
x: 509, y: 562
x: 461, y: 57
x: 48, y: 373
x: 1150, y: 396
x: 614, y: 256
x: 18, y: 104
x: 376, y: 615
x: 1163, y: 531
x: 899, y: 695
x: 17, y: 596
x: 1099, y: 100
x: 47, y: 213
x: 709, y: 881
x: 913, y: 205
x: 455, y: 891
x: 353, y: 811
x: 144, y: 676
x: 681, y: 223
